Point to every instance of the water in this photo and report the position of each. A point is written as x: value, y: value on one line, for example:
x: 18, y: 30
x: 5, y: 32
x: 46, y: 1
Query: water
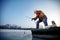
x: 8, y: 34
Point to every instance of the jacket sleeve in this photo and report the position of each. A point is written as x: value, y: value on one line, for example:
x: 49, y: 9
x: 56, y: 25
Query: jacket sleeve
x: 35, y: 17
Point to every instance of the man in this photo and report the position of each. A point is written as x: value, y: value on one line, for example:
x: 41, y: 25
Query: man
x: 41, y: 16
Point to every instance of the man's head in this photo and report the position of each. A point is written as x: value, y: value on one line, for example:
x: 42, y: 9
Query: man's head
x: 37, y: 12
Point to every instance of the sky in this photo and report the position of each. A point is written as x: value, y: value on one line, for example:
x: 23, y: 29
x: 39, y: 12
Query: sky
x: 20, y: 12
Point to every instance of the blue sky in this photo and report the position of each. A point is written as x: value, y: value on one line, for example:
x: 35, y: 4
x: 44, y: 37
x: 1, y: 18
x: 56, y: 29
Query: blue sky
x: 14, y: 12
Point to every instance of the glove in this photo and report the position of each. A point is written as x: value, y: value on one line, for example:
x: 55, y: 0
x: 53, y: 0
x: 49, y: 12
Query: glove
x: 34, y: 19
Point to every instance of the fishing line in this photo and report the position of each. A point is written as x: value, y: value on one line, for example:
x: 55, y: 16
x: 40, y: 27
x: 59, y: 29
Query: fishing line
x: 29, y: 18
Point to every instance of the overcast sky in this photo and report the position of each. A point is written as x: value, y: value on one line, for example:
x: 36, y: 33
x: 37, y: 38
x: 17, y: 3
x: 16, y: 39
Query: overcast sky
x: 15, y: 12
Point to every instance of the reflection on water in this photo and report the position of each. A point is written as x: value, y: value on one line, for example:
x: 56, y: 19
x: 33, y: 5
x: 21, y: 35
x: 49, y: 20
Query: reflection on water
x: 8, y: 34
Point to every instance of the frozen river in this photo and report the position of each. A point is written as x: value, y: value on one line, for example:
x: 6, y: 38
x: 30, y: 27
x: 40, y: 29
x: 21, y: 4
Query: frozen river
x: 9, y: 34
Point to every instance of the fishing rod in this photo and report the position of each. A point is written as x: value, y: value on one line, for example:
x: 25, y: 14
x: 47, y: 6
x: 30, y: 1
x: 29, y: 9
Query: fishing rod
x: 29, y: 18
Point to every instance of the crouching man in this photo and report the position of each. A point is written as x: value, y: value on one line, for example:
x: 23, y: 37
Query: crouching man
x: 42, y: 18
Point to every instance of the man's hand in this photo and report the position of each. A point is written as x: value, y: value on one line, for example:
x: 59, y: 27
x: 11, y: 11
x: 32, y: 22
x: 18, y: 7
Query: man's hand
x: 34, y: 19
